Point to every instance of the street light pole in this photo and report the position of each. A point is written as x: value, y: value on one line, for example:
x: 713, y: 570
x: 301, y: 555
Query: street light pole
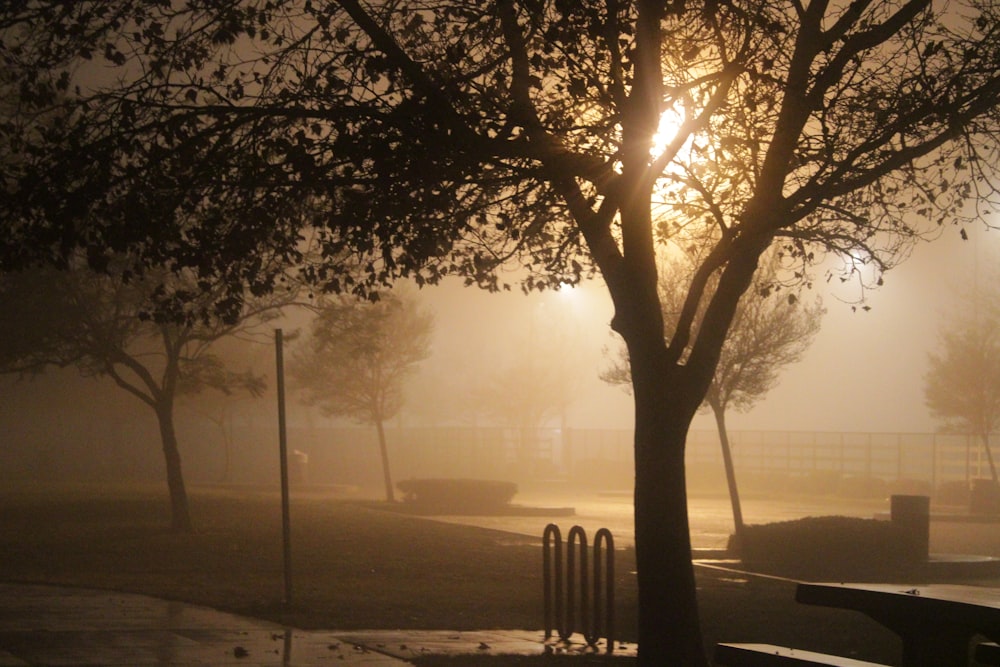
x: 283, y: 453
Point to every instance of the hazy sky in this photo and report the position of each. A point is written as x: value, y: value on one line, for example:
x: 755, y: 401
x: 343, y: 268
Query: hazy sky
x: 864, y: 371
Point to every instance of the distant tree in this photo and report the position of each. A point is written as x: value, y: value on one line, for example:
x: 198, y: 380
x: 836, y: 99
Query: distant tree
x: 533, y: 386
x: 219, y: 405
x: 102, y: 324
x: 771, y: 329
x: 962, y: 385
x: 357, y: 357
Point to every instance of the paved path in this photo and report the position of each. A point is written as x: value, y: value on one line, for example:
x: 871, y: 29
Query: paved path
x: 56, y: 626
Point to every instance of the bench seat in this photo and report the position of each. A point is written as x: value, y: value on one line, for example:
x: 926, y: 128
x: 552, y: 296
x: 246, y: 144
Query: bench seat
x: 988, y: 653
x: 769, y: 655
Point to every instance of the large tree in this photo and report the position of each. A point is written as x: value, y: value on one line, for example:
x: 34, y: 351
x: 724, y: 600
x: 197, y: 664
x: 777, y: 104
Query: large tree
x: 452, y: 137
x: 357, y: 358
x: 102, y: 325
x: 771, y: 329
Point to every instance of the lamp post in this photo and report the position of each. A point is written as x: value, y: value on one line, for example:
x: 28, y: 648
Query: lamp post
x: 286, y: 532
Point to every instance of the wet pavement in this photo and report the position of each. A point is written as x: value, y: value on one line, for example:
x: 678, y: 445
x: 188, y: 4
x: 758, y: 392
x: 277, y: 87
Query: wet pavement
x: 58, y: 626
x: 50, y: 625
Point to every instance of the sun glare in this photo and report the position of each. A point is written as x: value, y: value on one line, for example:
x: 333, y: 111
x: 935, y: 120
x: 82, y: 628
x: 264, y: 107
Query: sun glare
x: 670, y: 123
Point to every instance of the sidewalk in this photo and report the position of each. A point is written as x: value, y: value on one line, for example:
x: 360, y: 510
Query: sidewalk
x: 55, y: 626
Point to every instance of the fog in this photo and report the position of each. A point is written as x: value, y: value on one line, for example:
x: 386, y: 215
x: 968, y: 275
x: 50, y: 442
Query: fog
x: 865, y: 370
x: 862, y: 375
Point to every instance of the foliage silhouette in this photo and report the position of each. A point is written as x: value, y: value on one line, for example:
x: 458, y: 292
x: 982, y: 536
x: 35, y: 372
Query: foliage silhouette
x: 357, y: 358
x: 100, y: 323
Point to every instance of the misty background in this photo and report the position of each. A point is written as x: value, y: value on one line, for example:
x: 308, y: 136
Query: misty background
x: 864, y: 374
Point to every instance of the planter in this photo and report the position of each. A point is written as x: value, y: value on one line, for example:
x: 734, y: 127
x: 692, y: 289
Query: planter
x: 459, y: 495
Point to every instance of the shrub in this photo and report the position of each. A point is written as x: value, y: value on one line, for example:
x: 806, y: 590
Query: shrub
x: 863, y: 486
x: 603, y: 474
x: 984, y: 497
x: 764, y: 483
x: 909, y: 487
x: 956, y: 492
x: 459, y: 495
x: 818, y: 482
x: 828, y: 547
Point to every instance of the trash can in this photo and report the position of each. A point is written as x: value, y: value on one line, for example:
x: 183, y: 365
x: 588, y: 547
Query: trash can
x: 913, y: 515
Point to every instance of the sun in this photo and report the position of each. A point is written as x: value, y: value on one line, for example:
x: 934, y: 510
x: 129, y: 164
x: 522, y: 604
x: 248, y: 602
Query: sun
x: 670, y: 123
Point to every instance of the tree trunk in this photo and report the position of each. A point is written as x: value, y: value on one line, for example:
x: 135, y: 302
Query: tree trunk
x: 727, y: 459
x: 669, y: 626
x: 180, y: 513
x: 989, y: 457
x: 227, y: 443
x: 384, y: 452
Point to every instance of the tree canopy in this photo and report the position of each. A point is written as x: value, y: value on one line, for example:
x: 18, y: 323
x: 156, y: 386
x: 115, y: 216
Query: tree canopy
x: 357, y: 358
x: 102, y: 325
x: 436, y: 137
x: 769, y: 331
x: 489, y: 132
x: 962, y: 384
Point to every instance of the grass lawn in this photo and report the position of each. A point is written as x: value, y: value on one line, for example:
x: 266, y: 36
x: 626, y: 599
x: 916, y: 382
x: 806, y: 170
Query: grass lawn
x: 358, y: 567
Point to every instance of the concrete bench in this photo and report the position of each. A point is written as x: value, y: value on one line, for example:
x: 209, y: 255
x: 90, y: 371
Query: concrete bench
x: 768, y: 655
x: 988, y: 653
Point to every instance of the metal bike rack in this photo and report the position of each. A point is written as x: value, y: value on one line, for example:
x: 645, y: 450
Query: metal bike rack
x: 561, y: 586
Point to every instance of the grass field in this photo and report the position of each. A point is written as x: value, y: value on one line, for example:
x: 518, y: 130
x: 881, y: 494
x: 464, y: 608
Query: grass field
x: 356, y: 566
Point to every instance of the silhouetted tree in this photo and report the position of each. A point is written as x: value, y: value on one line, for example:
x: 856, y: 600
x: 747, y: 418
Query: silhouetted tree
x: 459, y: 138
x: 357, y: 358
x: 769, y: 331
x: 101, y: 325
x: 962, y: 385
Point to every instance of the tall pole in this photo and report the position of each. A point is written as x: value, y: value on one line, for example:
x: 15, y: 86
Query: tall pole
x: 283, y: 453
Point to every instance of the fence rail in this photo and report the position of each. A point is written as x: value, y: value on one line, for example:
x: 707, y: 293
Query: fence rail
x: 928, y: 457
x: 600, y: 455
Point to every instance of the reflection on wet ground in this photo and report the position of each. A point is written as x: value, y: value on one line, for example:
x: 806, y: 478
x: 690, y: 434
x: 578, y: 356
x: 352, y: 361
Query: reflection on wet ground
x: 712, y: 520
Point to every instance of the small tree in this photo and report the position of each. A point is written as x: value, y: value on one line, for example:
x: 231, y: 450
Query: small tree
x: 769, y: 331
x: 357, y: 358
x: 103, y: 324
x: 962, y: 386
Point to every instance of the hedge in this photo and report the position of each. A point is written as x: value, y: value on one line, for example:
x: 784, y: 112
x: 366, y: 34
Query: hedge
x: 828, y: 547
x: 458, y: 494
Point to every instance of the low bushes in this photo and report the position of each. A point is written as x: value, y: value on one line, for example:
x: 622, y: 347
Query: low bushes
x: 458, y: 495
x: 603, y: 474
x: 832, y: 483
x: 956, y: 493
x: 828, y: 547
x: 984, y: 497
x: 910, y: 487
